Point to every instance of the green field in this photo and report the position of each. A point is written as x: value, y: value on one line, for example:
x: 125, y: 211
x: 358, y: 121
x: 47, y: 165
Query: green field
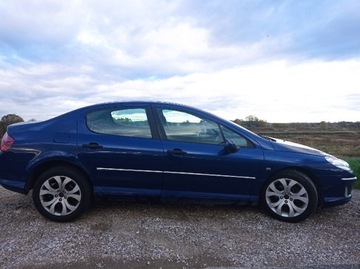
x: 355, y: 165
x: 344, y: 145
x: 341, y: 141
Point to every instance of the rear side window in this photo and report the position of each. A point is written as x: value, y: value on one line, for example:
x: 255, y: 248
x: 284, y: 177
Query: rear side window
x: 131, y: 122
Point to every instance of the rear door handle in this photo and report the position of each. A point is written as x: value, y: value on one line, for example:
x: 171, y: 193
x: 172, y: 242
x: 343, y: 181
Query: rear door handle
x: 92, y: 145
x: 177, y: 152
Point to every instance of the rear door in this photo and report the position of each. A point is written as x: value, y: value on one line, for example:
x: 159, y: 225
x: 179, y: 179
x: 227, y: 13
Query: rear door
x: 119, y: 146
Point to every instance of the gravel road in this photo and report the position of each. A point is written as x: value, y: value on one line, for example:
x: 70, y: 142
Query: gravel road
x: 150, y: 234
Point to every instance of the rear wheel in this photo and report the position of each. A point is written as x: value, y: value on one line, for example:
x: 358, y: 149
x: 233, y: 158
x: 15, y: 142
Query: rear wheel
x: 290, y: 196
x: 61, y: 194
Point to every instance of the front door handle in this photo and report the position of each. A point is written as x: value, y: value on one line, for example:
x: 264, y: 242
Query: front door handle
x: 177, y: 152
x: 92, y: 145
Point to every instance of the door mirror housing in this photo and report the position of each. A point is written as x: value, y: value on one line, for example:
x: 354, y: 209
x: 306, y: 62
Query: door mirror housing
x: 230, y: 146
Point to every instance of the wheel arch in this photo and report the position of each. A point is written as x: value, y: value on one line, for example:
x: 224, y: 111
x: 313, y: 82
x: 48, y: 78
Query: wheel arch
x: 38, y: 170
x: 310, y: 174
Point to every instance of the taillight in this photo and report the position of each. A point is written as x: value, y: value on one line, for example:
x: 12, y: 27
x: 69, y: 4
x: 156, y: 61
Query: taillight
x: 6, y: 142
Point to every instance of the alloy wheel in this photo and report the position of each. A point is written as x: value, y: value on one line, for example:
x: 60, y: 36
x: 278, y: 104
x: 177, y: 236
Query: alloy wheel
x: 60, y: 195
x: 287, y: 197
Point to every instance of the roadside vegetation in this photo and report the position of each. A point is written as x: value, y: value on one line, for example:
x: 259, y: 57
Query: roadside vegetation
x: 341, y: 139
x: 355, y: 166
x: 7, y: 120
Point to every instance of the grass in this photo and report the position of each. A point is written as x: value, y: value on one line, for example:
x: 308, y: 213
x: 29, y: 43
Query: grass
x: 355, y: 166
x: 344, y: 144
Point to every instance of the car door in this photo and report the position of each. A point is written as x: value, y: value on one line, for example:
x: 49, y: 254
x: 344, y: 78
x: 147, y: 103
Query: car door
x: 119, y: 146
x: 199, y: 164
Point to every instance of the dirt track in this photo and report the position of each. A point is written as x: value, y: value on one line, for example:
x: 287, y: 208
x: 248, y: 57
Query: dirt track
x: 156, y: 235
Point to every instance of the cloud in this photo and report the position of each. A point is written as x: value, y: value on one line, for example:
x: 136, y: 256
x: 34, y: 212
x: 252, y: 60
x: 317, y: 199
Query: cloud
x: 131, y: 35
x: 276, y: 91
x: 283, y: 61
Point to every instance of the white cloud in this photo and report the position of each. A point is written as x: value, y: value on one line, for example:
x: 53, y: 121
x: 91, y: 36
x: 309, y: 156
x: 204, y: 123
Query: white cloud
x: 234, y: 59
x: 276, y: 91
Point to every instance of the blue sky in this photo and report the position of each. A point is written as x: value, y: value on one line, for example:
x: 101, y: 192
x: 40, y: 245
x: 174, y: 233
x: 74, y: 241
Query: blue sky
x: 282, y: 61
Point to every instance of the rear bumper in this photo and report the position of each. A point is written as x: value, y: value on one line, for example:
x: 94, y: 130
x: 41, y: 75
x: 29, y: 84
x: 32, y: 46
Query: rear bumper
x: 13, y: 169
x: 14, y: 185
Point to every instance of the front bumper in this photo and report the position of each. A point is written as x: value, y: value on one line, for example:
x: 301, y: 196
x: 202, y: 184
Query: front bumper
x: 342, y: 190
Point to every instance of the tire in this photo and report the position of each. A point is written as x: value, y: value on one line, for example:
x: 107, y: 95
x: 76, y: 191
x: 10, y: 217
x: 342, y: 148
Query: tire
x: 290, y: 196
x: 61, y: 194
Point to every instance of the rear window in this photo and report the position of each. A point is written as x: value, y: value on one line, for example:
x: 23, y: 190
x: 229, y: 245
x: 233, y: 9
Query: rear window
x: 131, y: 122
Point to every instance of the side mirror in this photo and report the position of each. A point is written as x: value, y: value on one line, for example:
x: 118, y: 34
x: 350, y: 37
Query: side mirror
x: 230, y: 146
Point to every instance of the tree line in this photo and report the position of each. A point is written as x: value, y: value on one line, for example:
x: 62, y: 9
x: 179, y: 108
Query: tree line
x: 7, y: 120
x: 251, y: 122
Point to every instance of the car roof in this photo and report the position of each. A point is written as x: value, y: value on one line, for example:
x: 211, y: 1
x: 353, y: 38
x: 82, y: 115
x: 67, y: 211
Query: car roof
x: 135, y: 102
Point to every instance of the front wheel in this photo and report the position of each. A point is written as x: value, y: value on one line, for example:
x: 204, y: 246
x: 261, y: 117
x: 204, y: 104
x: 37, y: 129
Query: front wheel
x: 290, y: 196
x: 61, y: 194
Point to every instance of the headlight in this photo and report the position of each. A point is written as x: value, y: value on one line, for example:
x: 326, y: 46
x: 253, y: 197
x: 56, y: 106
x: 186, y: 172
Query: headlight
x: 338, y: 162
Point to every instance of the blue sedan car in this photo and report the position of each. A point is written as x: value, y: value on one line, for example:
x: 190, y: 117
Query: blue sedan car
x: 164, y: 150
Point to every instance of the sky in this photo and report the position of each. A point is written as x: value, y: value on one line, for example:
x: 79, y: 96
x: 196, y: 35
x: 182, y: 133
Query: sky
x: 281, y: 61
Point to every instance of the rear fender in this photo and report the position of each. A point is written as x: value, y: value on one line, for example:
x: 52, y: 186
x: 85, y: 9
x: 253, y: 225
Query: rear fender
x: 50, y: 160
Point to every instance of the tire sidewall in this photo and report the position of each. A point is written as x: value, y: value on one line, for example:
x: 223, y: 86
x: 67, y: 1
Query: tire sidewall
x: 75, y: 175
x: 306, y: 182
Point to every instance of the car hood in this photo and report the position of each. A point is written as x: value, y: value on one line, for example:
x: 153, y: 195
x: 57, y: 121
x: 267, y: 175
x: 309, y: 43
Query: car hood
x: 287, y: 146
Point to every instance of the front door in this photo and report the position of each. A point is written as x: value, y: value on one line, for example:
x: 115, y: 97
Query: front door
x: 197, y: 164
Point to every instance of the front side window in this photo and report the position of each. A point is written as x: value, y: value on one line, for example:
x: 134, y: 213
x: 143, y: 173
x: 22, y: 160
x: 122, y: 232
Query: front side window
x: 132, y: 122
x: 185, y: 127
x: 238, y: 139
